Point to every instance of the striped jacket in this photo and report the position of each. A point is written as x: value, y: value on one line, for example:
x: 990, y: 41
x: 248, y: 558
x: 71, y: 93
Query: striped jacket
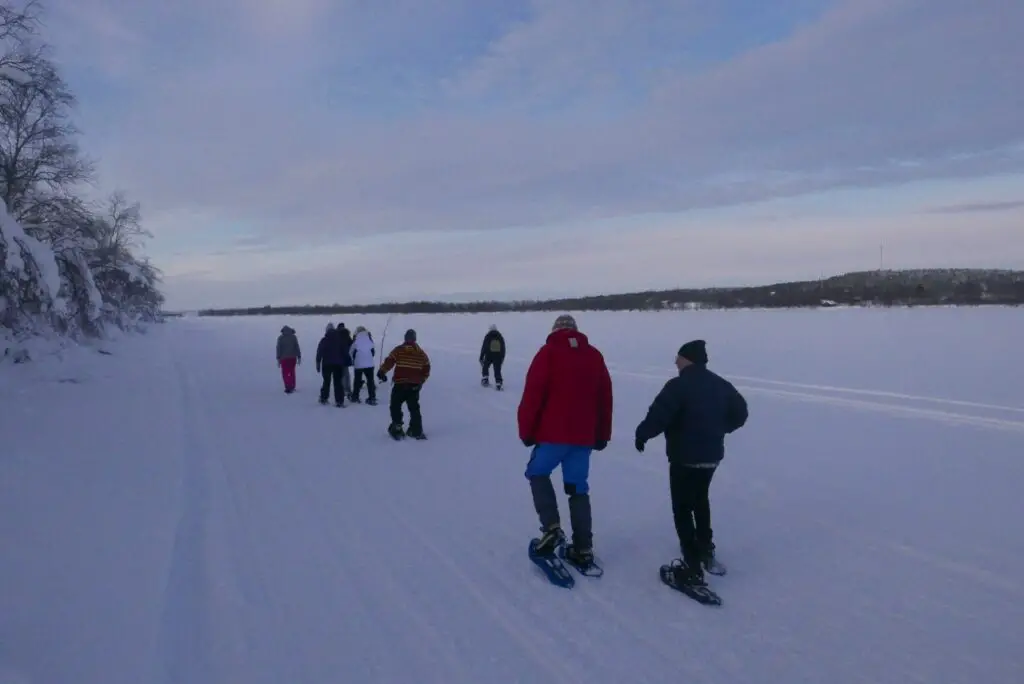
x: 411, y: 364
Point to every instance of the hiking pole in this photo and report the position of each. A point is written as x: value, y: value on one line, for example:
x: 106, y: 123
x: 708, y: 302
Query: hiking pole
x: 383, y: 336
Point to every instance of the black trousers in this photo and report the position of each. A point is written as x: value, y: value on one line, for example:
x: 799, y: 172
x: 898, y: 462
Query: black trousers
x: 408, y: 395
x: 492, y: 361
x: 332, y: 376
x: 364, y: 375
x: 691, y: 509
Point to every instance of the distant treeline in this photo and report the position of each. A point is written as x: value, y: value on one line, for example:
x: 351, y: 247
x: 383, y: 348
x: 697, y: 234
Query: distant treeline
x: 928, y: 287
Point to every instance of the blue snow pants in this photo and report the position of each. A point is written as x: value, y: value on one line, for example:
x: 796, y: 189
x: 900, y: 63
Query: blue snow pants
x: 575, y: 462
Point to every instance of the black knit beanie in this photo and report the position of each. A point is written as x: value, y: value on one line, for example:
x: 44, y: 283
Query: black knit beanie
x: 695, y: 351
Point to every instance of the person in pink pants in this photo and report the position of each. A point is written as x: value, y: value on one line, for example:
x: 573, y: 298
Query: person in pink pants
x: 289, y: 355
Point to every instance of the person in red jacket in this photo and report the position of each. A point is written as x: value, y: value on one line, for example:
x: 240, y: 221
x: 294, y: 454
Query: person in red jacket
x: 565, y: 414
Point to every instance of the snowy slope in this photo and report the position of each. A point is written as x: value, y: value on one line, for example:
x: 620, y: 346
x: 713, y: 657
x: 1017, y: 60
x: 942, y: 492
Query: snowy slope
x: 175, y: 517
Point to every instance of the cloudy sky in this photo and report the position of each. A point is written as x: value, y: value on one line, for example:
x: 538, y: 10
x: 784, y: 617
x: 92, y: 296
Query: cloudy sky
x: 318, y: 151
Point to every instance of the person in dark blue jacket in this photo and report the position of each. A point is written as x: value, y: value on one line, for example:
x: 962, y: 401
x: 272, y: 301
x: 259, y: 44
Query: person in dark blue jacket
x: 329, y: 364
x: 695, y: 411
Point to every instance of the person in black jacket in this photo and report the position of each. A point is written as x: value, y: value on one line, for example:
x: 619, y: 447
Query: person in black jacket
x: 492, y: 353
x: 695, y: 411
x: 345, y: 361
x: 329, y: 365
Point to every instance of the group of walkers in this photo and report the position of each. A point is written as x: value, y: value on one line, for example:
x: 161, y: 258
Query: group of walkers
x: 338, y: 351
x: 564, y: 415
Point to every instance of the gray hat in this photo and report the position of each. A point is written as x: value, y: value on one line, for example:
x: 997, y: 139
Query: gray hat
x: 564, y: 322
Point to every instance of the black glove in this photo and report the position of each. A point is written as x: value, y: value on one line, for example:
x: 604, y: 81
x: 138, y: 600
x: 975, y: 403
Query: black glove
x: 600, y: 445
x: 639, y: 444
x: 382, y: 377
x: 528, y: 442
x: 318, y: 368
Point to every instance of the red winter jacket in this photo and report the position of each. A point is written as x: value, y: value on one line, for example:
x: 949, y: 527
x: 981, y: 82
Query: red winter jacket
x: 568, y: 394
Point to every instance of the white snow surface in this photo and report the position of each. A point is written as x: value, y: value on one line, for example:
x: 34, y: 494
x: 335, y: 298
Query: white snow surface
x: 168, y: 514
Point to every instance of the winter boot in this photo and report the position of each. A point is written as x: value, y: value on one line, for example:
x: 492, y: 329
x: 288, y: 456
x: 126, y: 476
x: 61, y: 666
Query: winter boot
x: 396, y: 431
x: 499, y: 386
x: 683, y: 575
x: 371, y: 402
x: 550, y: 541
x: 709, y: 562
x: 584, y: 558
x: 485, y: 382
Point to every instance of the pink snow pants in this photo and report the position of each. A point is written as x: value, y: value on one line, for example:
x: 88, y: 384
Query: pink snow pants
x: 288, y: 373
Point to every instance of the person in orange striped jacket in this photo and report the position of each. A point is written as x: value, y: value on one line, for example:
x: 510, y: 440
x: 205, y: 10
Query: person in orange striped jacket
x: 412, y: 368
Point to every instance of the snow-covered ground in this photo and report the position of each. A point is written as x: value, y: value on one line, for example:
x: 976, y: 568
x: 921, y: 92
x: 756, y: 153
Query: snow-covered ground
x: 168, y: 514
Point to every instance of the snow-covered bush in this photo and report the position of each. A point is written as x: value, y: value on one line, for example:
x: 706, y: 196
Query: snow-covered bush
x: 30, y: 280
x: 68, y: 267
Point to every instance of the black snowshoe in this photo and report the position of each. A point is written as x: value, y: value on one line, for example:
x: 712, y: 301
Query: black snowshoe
x: 398, y: 433
x: 689, y: 581
x: 712, y: 565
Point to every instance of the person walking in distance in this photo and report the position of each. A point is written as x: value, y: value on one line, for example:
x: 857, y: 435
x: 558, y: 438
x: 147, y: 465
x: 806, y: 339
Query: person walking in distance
x: 564, y: 415
x: 328, y: 364
x: 289, y: 354
x: 412, y: 368
x: 362, y: 353
x: 345, y: 358
x: 492, y: 353
x: 695, y: 411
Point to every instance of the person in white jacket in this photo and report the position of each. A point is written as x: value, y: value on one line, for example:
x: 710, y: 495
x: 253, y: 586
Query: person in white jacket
x: 363, y: 360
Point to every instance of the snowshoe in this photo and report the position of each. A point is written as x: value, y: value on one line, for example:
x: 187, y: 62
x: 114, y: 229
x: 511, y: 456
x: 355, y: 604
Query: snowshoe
x: 689, y: 582
x: 396, y: 432
x: 709, y: 563
x: 371, y: 402
x: 485, y: 382
x: 416, y: 435
x: 543, y: 553
x: 499, y: 386
x: 583, y: 561
x: 713, y: 566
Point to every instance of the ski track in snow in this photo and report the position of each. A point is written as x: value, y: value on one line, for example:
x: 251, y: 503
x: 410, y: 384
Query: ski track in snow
x: 214, y: 530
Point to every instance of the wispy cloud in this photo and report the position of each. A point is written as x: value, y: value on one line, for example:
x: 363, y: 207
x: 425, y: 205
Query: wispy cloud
x: 979, y: 207
x: 317, y: 122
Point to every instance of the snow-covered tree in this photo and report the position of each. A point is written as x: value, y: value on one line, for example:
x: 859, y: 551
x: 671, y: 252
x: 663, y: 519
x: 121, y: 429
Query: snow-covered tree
x: 66, y: 264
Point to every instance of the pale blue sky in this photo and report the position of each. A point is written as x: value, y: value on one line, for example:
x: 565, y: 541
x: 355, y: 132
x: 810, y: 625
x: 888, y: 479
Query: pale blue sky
x: 318, y: 151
